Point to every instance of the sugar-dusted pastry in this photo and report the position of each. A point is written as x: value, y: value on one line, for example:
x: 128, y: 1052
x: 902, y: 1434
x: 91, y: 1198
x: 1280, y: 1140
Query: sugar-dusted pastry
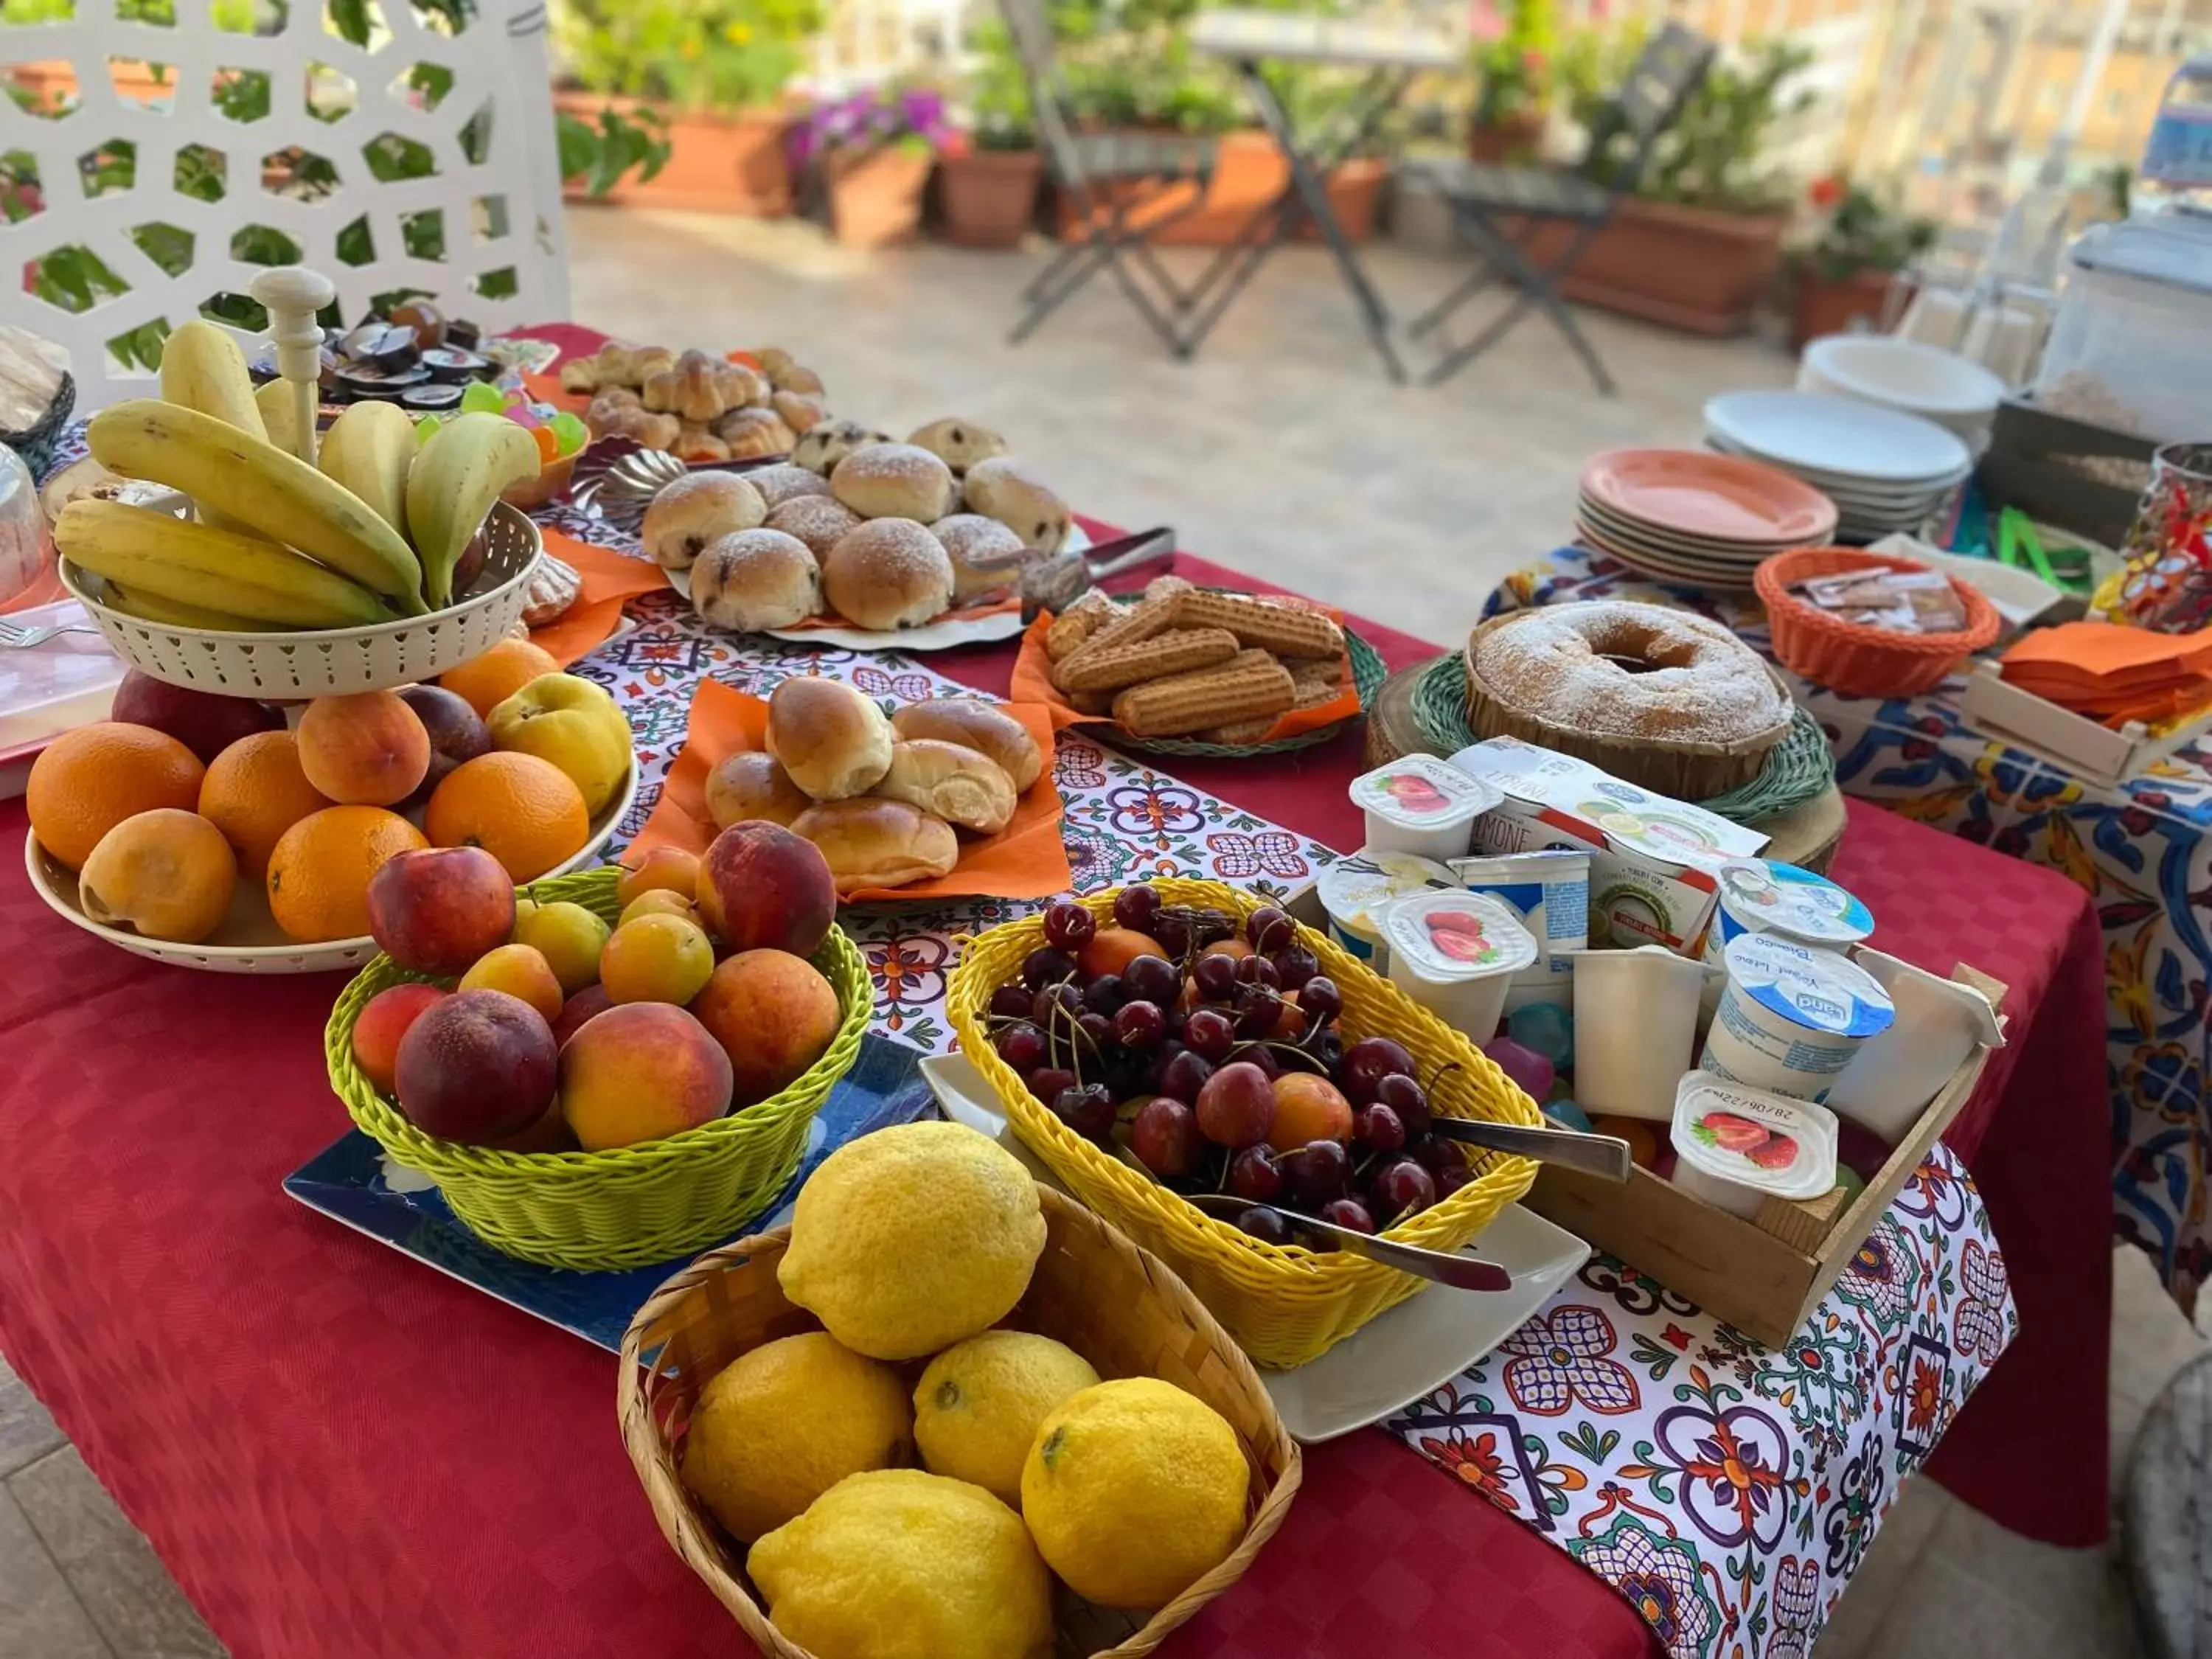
x: 959, y: 444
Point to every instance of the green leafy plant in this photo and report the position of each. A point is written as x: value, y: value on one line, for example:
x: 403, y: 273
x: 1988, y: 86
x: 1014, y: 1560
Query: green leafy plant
x: 1860, y: 232
x: 1515, y: 68
x: 998, y: 113
x: 693, y: 54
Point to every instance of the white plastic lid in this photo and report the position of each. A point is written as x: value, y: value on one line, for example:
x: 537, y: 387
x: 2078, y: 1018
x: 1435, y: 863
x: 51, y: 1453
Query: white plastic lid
x: 1752, y: 1139
x: 2173, y: 249
x: 1817, y: 989
x: 1785, y: 899
x: 1419, y: 792
x: 1449, y: 937
x: 1355, y: 891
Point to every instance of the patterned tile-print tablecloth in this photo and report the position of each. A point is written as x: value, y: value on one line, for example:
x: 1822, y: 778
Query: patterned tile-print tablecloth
x: 2142, y: 849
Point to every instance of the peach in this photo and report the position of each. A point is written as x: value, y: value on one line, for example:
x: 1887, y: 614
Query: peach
x: 521, y: 972
x: 656, y: 959
x: 437, y: 909
x: 591, y: 1000
x: 665, y: 868
x: 366, y: 749
x: 205, y: 722
x: 773, y: 1014
x: 167, y: 874
x: 763, y: 888
x: 550, y: 1134
x: 1307, y: 1106
x: 1113, y: 949
x: 642, y: 1072
x: 387, y: 1018
x: 567, y: 935
x: 660, y: 902
x: 476, y: 1067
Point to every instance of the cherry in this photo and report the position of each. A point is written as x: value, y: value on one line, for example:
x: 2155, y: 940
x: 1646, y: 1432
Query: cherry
x: 1097, y: 1031
x: 1319, y: 996
x: 1055, y: 1004
x: 1046, y: 1082
x: 1378, y: 1128
x: 1366, y: 1063
x: 1348, y: 1212
x: 1317, y: 1170
x: 1185, y: 1075
x: 1257, y: 1054
x: 1269, y: 929
x: 1215, y: 977
x: 1294, y: 966
x: 1257, y: 970
x: 1254, y: 1174
x: 1022, y: 1046
x: 1135, y: 906
x: 1258, y: 1009
x: 1437, y: 1155
x: 1172, y: 928
x: 1087, y: 1109
x: 1408, y: 1100
x: 1140, y: 1025
x: 1451, y: 1178
x: 1151, y: 979
x: 1045, y: 966
x: 1265, y: 1225
x: 1164, y: 1136
x: 1402, y: 1188
x: 1210, y: 1034
x: 1068, y: 926
x: 1010, y: 1002
x: 1105, y: 995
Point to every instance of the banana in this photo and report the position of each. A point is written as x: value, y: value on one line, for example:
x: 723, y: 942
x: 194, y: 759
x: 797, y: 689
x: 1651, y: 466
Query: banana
x: 456, y: 477
x: 171, y: 613
x: 153, y: 554
x: 280, y: 495
x: 202, y: 368
x: 279, y: 412
x: 368, y: 449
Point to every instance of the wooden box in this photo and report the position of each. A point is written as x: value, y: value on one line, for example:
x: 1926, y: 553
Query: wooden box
x: 1763, y: 1276
x: 1997, y: 709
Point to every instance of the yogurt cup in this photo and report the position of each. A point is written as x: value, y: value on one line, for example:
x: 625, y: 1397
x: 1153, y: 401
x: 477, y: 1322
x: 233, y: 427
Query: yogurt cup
x: 1734, y: 1147
x: 1550, y: 892
x: 1419, y: 805
x: 1355, y: 892
x: 1765, y: 895
x: 1791, y: 1017
x: 1454, y: 953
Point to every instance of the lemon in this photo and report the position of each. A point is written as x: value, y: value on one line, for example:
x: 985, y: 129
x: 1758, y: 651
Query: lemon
x: 977, y: 1408
x: 1133, y: 1490
x: 901, y: 1564
x: 913, y: 1238
x: 780, y: 1425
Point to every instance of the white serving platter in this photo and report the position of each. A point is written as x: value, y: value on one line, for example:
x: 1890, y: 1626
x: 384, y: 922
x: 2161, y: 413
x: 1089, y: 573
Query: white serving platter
x: 1838, y: 437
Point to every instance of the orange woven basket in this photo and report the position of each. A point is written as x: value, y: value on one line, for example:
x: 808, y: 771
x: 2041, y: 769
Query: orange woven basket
x: 1848, y: 657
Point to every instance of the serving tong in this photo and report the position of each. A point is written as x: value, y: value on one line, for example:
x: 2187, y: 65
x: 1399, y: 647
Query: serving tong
x: 1461, y: 1273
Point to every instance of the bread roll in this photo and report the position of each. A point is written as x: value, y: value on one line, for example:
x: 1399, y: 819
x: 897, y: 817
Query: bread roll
x: 871, y: 842
x: 752, y: 785
x: 833, y: 741
x: 985, y: 554
x: 693, y: 511
x: 974, y: 724
x: 890, y: 573
x: 830, y: 441
x: 959, y: 444
x: 818, y: 520
x: 1003, y: 489
x: 952, y: 782
x: 894, y: 481
x: 784, y: 482
x: 756, y: 579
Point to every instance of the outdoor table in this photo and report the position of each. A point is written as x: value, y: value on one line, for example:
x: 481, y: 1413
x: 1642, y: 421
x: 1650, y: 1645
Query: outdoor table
x: 338, y: 1453
x: 1392, y: 53
x: 2142, y: 849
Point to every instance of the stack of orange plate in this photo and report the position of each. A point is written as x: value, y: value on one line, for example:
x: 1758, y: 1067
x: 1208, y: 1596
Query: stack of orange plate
x: 1697, y: 519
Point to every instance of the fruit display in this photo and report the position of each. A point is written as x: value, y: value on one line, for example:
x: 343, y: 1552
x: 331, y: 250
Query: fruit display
x: 414, y: 356
x: 560, y: 436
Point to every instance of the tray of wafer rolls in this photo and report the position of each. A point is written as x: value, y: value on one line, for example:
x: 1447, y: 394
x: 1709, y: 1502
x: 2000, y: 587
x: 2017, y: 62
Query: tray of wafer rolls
x: 1184, y: 670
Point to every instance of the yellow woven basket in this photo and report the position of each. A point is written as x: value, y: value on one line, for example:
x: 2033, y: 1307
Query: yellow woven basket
x: 1284, y: 1305
x: 631, y: 1207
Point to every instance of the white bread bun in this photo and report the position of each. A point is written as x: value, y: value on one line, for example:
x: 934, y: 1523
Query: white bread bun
x: 832, y: 741
x: 974, y: 724
x: 783, y: 482
x: 959, y: 444
x: 1006, y: 490
x: 823, y: 446
x: 752, y: 784
x: 756, y: 579
x: 954, y: 782
x: 818, y: 520
x: 985, y: 554
x: 693, y: 511
x: 894, y: 481
x: 887, y: 573
x: 871, y: 842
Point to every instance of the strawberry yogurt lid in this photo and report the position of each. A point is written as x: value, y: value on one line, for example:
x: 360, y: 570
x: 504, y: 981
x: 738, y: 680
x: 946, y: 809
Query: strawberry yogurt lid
x: 1446, y: 938
x: 1752, y: 1139
x: 1420, y: 791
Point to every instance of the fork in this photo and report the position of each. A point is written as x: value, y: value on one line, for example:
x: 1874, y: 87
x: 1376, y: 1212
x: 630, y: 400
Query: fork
x: 15, y: 636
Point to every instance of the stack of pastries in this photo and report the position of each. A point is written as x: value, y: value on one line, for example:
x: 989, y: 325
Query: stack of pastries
x: 885, y: 535
x: 884, y: 799
x: 698, y: 407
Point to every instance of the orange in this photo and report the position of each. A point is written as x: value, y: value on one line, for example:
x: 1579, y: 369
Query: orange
x: 88, y: 781
x: 256, y: 790
x: 319, y: 869
x: 168, y: 874
x: 485, y: 683
x: 525, y: 812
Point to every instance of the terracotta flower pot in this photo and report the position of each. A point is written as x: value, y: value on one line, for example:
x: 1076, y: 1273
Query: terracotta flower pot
x: 875, y: 194
x: 1830, y: 305
x: 1690, y: 268
x: 716, y: 163
x: 1249, y: 172
x: 989, y: 196
x: 1513, y: 139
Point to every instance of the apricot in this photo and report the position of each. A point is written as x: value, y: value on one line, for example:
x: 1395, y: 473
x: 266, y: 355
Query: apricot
x: 1113, y: 949
x: 1307, y: 1106
x: 568, y: 937
x: 439, y: 908
x: 383, y: 1023
x: 656, y: 959
x: 1234, y: 949
x: 366, y: 749
x: 773, y: 1014
x: 761, y: 887
x: 521, y: 972
x: 167, y: 874
x: 591, y: 1000
x: 476, y: 1067
x: 661, y: 902
x: 669, y: 868
x: 642, y: 1071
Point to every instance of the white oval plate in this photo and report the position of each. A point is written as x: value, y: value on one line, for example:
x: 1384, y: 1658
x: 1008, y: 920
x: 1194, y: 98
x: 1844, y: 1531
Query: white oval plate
x: 1840, y: 437
x: 249, y: 941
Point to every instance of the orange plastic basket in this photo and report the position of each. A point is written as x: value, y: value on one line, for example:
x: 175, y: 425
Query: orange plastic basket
x: 1848, y: 657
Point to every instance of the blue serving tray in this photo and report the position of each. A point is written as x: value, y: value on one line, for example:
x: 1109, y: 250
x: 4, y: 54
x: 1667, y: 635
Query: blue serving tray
x: 350, y: 1181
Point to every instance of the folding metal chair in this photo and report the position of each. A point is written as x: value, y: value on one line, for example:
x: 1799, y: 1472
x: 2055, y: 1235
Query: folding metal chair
x: 1669, y: 68
x: 1113, y: 186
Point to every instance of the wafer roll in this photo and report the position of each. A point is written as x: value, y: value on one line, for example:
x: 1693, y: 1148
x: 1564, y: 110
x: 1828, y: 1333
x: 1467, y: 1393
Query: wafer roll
x: 1153, y: 614
x: 1284, y: 629
x: 1306, y: 695
x: 1072, y: 626
x: 1091, y: 702
x: 1324, y: 676
x: 1176, y: 651
x: 1248, y: 685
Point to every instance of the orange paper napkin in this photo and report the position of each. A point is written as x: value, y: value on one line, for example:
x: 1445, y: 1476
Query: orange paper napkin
x: 1026, y: 860
x: 2113, y: 673
x: 608, y: 578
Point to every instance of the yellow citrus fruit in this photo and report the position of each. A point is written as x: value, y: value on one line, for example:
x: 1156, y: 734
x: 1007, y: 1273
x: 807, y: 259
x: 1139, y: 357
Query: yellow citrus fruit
x: 319, y: 869
x: 168, y: 873
x: 485, y: 683
x: 87, y: 782
x: 256, y: 790
x: 978, y: 1406
x: 523, y: 811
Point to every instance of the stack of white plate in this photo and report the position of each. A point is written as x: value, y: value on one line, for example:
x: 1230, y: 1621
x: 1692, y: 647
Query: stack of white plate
x: 1887, y: 471
x: 1938, y: 386
x: 1698, y: 520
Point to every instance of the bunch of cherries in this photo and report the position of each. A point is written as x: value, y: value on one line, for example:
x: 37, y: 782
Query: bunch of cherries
x: 1212, y: 1057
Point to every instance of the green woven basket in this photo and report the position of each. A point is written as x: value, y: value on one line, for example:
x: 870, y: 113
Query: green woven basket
x: 1368, y: 673
x: 1797, y: 770
x: 632, y: 1206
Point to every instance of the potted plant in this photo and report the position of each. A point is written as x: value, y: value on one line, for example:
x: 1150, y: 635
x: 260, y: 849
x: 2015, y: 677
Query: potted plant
x: 871, y: 154
x: 707, y: 76
x: 1513, y: 80
x: 987, y: 177
x: 1844, y: 274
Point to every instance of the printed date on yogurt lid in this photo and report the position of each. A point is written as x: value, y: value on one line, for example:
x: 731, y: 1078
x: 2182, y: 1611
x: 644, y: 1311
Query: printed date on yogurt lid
x: 1779, y: 1146
x: 1817, y: 989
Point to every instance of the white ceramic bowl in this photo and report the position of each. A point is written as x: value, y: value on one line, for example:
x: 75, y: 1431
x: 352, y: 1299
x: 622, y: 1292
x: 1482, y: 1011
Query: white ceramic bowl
x: 1903, y: 375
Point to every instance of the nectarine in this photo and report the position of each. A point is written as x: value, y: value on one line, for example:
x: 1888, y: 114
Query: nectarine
x: 520, y: 971
x: 476, y: 1067
x: 383, y: 1023
x: 642, y: 1071
x: 773, y: 1014
x: 365, y: 749
x: 436, y: 910
x: 763, y: 888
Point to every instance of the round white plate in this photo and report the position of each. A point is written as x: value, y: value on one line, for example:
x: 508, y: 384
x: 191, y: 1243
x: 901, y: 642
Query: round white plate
x: 1905, y: 375
x: 1843, y: 489
x: 1838, y: 436
x: 249, y: 941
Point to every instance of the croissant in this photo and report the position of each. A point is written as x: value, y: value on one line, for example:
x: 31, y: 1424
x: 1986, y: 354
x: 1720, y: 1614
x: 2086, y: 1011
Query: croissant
x: 755, y: 432
x: 794, y: 378
x: 653, y: 431
x: 801, y: 412
x: 648, y: 361
x: 581, y: 374
x: 695, y: 443
x: 740, y: 386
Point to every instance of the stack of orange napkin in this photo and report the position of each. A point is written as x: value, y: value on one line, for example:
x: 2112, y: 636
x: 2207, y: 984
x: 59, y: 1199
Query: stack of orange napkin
x: 2115, y: 674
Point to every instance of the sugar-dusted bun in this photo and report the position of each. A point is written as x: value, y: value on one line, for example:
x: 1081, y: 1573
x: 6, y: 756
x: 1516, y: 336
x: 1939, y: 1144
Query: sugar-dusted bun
x: 831, y: 441
x: 783, y: 482
x: 752, y: 785
x: 756, y: 579
x: 832, y: 740
x: 959, y: 444
x: 955, y: 783
x: 985, y: 554
x: 752, y: 433
x: 890, y: 573
x: 974, y: 724
x: 871, y: 843
x: 820, y: 521
x: 894, y: 481
x: 693, y: 511
x: 1004, y: 490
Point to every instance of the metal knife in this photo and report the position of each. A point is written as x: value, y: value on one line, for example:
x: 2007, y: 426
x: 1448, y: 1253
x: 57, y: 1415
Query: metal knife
x: 1605, y: 1155
x: 1461, y: 1273
x: 1055, y: 583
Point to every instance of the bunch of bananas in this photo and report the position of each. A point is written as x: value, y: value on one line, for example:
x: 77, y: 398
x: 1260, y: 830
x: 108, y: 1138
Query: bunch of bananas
x: 373, y: 531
